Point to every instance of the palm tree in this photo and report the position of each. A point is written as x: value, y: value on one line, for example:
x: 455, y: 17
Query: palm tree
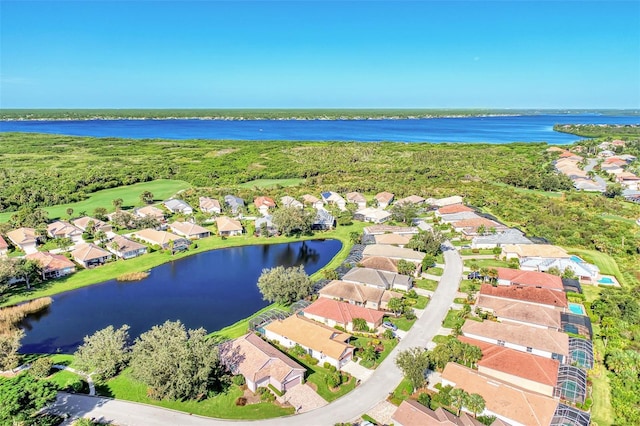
x: 485, y: 273
x: 69, y: 212
x: 475, y: 403
x: 117, y: 203
x: 458, y: 399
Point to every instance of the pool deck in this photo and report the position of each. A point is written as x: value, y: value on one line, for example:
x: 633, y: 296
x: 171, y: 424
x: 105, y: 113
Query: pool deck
x: 614, y: 282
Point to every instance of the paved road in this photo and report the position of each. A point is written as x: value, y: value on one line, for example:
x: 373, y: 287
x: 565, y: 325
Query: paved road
x: 385, y: 378
x: 591, y: 162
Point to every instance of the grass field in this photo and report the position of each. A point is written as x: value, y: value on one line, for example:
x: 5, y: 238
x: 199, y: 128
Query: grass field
x: 427, y: 284
x: 601, y: 411
x: 220, y: 406
x: 161, y: 189
x: 270, y: 183
x: 403, y: 391
x: 607, y: 265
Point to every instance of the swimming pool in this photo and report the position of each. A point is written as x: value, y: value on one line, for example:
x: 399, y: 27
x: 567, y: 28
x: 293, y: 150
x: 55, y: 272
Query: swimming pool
x: 576, y: 259
x: 605, y: 280
x: 576, y: 308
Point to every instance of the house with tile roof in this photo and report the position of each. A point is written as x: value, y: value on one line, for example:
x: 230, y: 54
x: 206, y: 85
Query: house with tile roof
x: 456, y: 217
x: 163, y: 239
x: 209, y: 205
x: 447, y: 201
x: 329, y: 197
x: 53, y: 265
x: 150, y: 211
x: 453, y: 209
x: 178, y: 206
x: 323, y: 221
x: 335, y: 313
x: 189, y: 230
x: 524, y: 278
x: 532, y: 295
x: 125, y: 248
x: 543, y: 251
x: 236, y: 204
x: 323, y: 343
x: 372, y: 214
x: 390, y: 229
x: 384, y: 199
x: 399, y: 240
x: 62, y: 229
x: 583, y: 270
x: 90, y: 255
x: 263, y: 204
x: 312, y: 201
x: 90, y: 224
x: 265, y: 222
x: 357, y: 199
x: 537, y: 341
x: 411, y: 199
x: 24, y: 239
x: 511, y: 404
x: 357, y: 294
x: 499, y: 239
x: 478, y: 226
x: 517, y: 312
x: 228, y: 227
x: 392, y: 252
x: 412, y: 413
x: 381, y: 279
x: 379, y: 263
x: 4, y: 247
x: 288, y: 201
x: 260, y: 363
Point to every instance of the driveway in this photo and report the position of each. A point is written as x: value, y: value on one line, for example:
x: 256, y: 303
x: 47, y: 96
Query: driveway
x: 377, y: 388
x: 302, y: 398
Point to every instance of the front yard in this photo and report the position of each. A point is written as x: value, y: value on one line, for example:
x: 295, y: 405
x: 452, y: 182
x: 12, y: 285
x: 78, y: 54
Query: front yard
x: 386, y: 344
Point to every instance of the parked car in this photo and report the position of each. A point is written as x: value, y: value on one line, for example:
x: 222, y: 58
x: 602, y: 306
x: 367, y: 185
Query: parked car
x: 390, y: 326
x: 474, y: 276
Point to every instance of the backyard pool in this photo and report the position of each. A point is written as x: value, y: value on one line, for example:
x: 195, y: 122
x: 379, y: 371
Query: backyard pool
x: 576, y: 259
x: 605, y: 280
x: 576, y: 308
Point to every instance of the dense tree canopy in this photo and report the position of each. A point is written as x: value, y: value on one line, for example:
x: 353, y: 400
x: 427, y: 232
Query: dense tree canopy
x: 104, y: 353
x: 291, y: 220
x: 23, y: 396
x: 413, y: 362
x: 284, y: 285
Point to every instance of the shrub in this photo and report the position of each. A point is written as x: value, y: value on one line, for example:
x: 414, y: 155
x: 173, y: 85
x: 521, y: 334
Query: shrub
x: 354, y: 358
x: 238, y: 380
x: 326, y: 365
x: 475, y: 250
x: 41, y: 367
x: 333, y: 380
x: 388, y: 334
x: 412, y: 294
x: 266, y: 395
x: 409, y: 314
x: 424, y: 399
x: 298, y: 351
x: 241, y: 401
x: 333, y: 368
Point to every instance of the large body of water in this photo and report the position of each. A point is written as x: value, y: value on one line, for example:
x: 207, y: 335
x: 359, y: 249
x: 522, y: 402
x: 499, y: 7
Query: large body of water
x: 211, y: 290
x: 500, y: 129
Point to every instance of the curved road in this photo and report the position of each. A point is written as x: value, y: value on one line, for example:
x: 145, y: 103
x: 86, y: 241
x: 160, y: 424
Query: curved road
x: 384, y: 379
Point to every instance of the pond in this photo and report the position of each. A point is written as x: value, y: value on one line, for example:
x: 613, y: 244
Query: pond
x: 211, y: 290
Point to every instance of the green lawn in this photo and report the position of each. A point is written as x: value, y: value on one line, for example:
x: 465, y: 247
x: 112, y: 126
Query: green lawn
x: 403, y: 391
x: 427, y: 284
x: 317, y: 377
x: 486, y: 263
x: 607, y: 265
x: 601, y: 411
x: 242, y: 327
x: 470, y: 252
x: 402, y: 323
x: 389, y: 344
x: 267, y: 183
x: 441, y: 339
x: 452, y: 319
x: 422, y: 302
x: 468, y: 286
x: 112, y: 270
x: 130, y: 194
x: 66, y: 381
x: 220, y: 406
x: 436, y: 270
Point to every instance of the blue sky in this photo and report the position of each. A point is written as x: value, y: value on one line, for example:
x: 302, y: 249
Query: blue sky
x: 319, y: 54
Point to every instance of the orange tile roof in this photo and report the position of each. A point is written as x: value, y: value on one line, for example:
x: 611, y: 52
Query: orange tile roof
x: 412, y: 413
x: 86, y: 252
x: 342, y: 312
x: 535, y: 250
x: 542, y: 296
x: 380, y: 263
x: 355, y: 197
x: 22, y: 235
x: 454, y: 208
x: 51, y: 262
x: 530, y: 278
x: 226, y: 224
x: 476, y: 223
x: 521, y: 364
x: 513, y: 403
x: 384, y: 197
x: 3, y: 243
x: 516, y: 310
x: 393, y: 239
x: 264, y: 201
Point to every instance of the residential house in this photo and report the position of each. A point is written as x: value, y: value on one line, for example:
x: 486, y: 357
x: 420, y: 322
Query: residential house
x: 189, y: 230
x: 178, y: 206
x: 412, y: 413
x: 125, y: 248
x: 4, y: 247
x: 518, y: 312
x: 90, y: 255
x: 583, y: 270
x: 453, y: 209
x: 85, y: 222
x: 542, y: 251
x: 510, y: 236
x: 384, y: 199
x: 399, y: 240
x: 390, y: 229
x: 411, y: 199
x: 61, y: 229
x: 266, y: 223
x: 379, y: 263
x: 357, y: 294
x: 442, y: 202
x: 478, y: 226
x: 209, y: 205
x: 260, y: 363
x: 314, y: 202
x: 330, y: 197
x: 392, y: 252
x: 24, y: 239
x: 371, y: 214
x: 334, y: 313
x: 456, y: 217
x: 323, y: 343
x: 381, y: 279
x: 236, y: 204
x: 288, y: 201
x: 516, y: 406
x: 611, y: 168
x: 523, y: 278
x: 263, y: 204
x: 357, y: 199
x: 537, y: 341
x: 532, y: 295
x: 323, y: 221
x: 163, y: 239
x: 53, y: 265
x: 228, y: 227
x: 151, y: 212
x: 628, y: 180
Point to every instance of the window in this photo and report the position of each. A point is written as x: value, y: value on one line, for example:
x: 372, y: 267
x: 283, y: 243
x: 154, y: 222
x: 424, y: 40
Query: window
x: 500, y: 342
x: 529, y: 349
